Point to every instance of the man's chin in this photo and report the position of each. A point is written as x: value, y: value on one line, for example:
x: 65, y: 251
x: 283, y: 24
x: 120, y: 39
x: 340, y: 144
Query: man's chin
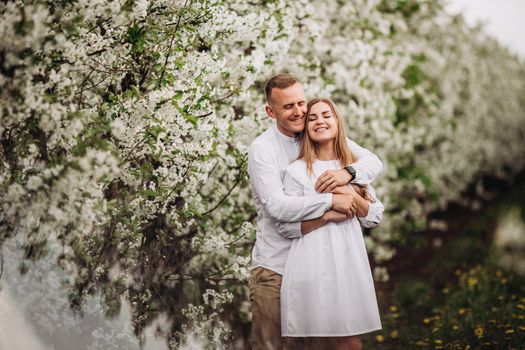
x: 298, y: 130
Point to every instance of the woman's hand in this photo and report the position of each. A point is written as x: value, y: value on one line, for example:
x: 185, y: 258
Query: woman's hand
x: 334, y: 216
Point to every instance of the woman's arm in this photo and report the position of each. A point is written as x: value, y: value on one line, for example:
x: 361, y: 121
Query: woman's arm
x: 369, y: 212
x: 375, y: 210
x: 308, y: 226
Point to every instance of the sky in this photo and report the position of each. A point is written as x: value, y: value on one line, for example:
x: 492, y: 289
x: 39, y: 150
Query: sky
x: 504, y: 19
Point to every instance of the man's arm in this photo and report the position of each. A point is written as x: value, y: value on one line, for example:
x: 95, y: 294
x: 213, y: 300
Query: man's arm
x: 367, y: 167
x: 268, y: 186
x: 297, y: 229
x: 289, y: 210
x: 369, y: 213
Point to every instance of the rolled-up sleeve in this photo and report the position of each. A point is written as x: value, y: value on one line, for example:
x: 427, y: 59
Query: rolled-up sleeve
x: 375, y: 211
x: 267, y: 185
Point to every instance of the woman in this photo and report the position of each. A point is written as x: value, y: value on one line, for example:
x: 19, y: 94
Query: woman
x: 327, y: 289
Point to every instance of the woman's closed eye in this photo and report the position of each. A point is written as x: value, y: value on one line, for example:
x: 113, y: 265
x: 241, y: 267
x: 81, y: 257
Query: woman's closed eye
x: 313, y: 117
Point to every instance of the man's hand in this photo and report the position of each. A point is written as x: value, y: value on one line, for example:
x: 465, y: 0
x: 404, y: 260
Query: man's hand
x: 344, y: 203
x: 345, y: 189
x: 330, y: 179
x: 334, y: 216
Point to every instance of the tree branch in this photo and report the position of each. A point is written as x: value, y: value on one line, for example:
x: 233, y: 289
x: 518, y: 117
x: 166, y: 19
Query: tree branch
x: 171, y: 44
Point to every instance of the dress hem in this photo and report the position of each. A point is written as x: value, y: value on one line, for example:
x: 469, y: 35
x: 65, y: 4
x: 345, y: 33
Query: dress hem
x: 333, y: 335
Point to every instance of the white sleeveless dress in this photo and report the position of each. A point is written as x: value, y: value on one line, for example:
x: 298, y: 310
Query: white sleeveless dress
x: 327, y: 288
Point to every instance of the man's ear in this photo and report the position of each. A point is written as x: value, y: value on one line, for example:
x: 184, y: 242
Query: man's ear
x: 269, y: 110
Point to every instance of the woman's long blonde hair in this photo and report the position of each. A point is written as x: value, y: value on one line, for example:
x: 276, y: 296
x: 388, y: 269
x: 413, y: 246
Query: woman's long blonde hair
x: 309, y: 149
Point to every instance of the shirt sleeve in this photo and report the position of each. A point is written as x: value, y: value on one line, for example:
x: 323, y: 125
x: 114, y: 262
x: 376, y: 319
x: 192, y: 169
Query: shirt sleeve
x: 292, y: 187
x: 368, y: 165
x: 267, y: 185
x: 375, y: 211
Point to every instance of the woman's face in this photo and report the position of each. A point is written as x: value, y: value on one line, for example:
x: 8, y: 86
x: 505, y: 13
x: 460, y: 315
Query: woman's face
x: 322, y: 123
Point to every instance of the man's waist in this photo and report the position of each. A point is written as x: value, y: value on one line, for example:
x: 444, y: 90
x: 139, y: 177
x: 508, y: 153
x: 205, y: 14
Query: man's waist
x: 268, y: 257
x: 276, y: 268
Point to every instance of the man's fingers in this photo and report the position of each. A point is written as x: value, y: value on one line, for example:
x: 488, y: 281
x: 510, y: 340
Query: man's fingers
x: 325, y: 185
x: 321, y: 179
x: 331, y: 187
x: 337, y: 182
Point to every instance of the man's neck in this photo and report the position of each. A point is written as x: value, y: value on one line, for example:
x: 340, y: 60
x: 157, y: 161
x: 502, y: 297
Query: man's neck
x: 285, y: 132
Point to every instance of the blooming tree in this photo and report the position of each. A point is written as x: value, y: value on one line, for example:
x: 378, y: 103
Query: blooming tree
x: 125, y: 126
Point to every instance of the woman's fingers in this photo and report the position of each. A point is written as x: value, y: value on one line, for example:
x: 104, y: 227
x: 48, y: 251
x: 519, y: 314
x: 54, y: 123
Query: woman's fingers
x: 352, y: 210
x: 338, y: 217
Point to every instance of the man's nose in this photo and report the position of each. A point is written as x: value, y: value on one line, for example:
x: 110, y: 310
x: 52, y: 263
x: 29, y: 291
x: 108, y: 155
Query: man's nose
x: 297, y: 110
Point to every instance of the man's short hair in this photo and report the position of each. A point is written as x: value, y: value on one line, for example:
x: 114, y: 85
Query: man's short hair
x: 279, y: 81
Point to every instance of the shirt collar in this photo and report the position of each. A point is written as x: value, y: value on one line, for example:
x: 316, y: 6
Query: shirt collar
x: 284, y: 137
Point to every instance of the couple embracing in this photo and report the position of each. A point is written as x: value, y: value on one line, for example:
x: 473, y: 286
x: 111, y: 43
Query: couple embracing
x: 310, y: 283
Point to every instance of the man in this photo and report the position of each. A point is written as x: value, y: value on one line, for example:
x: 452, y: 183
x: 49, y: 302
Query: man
x: 279, y: 216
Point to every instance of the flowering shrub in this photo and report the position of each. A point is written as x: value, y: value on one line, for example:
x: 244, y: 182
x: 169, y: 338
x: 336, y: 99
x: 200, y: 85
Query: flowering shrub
x: 125, y: 125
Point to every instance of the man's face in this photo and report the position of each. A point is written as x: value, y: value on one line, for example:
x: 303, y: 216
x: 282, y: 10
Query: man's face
x: 288, y: 107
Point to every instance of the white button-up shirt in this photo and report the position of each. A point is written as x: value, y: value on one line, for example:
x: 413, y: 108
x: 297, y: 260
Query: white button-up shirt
x: 279, y: 216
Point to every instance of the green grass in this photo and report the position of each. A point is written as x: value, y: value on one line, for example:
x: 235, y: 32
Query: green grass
x: 483, y: 309
x: 458, y: 298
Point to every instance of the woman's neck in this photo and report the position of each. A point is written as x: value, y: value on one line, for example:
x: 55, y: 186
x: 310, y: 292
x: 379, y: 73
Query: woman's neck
x: 325, y: 151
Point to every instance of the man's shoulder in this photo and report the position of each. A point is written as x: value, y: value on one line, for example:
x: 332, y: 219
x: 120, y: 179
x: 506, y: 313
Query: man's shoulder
x: 263, y: 143
x: 264, y: 138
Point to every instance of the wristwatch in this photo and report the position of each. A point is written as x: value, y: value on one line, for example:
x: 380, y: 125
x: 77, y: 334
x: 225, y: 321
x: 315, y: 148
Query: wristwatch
x: 351, y: 171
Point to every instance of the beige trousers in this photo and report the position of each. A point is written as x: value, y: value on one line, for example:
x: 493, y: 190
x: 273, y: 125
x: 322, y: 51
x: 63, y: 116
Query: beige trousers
x: 265, y: 295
